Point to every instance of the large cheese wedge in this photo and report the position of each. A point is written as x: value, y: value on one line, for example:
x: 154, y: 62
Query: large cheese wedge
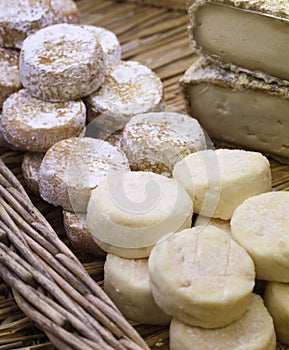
x: 62, y: 62
x: 201, y: 277
x: 129, y: 212
x: 129, y: 88
x: 126, y: 282
x: 220, y: 180
x: 260, y: 224
x: 19, y: 19
x: 35, y: 125
x: 9, y: 74
x: 253, y: 331
x: 237, y: 109
x: 73, y: 167
x: 249, y: 34
x: 156, y: 141
x: 277, y: 302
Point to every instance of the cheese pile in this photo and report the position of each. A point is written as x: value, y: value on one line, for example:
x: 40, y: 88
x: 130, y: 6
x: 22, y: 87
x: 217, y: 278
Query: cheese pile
x: 238, y: 87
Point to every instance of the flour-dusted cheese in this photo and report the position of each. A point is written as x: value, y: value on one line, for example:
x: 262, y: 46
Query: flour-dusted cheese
x: 67, y: 9
x: 130, y: 88
x: 73, y: 167
x: 277, y: 303
x: 156, y: 141
x: 62, y: 62
x: 126, y: 282
x: 253, y: 331
x: 18, y: 19
x: 127, y: 213
x: 9, y: 74
x: 109, y: 43
x: 34, y: 125
x: 220, y: 180
x: 201, y: 277
x: 30, y: 169
x: 260, y: 225
x: 224, y: 103
x: 76, y: 229
x: 252, y: 34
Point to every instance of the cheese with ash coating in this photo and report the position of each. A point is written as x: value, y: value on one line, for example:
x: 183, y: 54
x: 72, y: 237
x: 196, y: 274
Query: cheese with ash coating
x: 34, y: 125
x: 61, y: 63
x: 130, y: 88
x: 156, y: 141
x: 19, y: 19
x: 72, y: 168
x: 9, y: 73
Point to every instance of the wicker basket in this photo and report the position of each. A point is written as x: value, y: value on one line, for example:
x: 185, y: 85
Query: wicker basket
x: 54, y: 301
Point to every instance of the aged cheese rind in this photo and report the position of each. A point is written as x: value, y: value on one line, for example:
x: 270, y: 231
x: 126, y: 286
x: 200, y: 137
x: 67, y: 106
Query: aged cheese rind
x: 276, y: 301
x: 237, y: 33
x: 255, y: 330
x: 73, y: 167
x: 126, y: 282
x: 109, y: 43
x: 127, y: 213
x: 218, y: 181
x: 224, y: 102
x: 77, y: 232
x: 9, y: 73
x: 156, y: 141
x: 61, y: 63
x: 208, y: 277
x: 34, y: 125
x: 19, y: 19
x: 68, y: 10
x: 30, y: 169
x: 130, y: 88
x: 260, y: 225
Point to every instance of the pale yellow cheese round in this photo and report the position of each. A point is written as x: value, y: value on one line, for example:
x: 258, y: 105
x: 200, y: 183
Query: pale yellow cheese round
x: 127, y: 213
x: 21, y: 18
x: 62, y: 62
x: 201, y: 277
x: 34, y: 125
x: 68, y: 10
x: 30, y: 169
x: 253, y: 331
x: 9, y: 74
x: 260, y: 224
x: 126, y: 282
x: 73, y: 167
x: 276, y: 299
x: 109, y: 43
x: 129, y: 88
x: 76, y: 229
x: 220, y: 180
x: 157, y: 141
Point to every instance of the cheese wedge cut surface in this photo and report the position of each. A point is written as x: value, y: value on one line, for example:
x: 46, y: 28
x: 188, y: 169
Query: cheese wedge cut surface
x: 128, y: 212
x: 61, y: 63
x: 75, y: 226
x: 9, y: 74
x: 201, y: 277
x: 34, y: 125
x: 130, y: 88
x: 220, y: 180
x: 260, y: 225
x: 30, y: 169
x: 126, y: 282
x: 277, y: 302
x: 254, y: 331
x: 224, y: 103
x: 249, y: 34
x: 73, y: 167
x: 156, y: 141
